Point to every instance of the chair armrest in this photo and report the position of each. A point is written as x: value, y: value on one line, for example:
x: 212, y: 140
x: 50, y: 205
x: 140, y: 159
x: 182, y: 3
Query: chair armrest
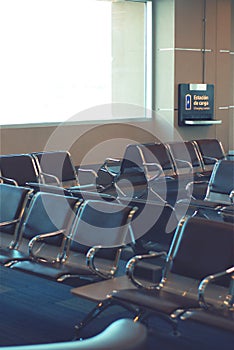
x: 210, y: 158
x: 116, y: 161
x: 90, y: 261
x: 200, y: 182
x: 190, y: 185
x: 86, y: 182
x: 229, y: 302
x: 119, y: 190
x: 110, y: 162
x: 55, y: 178
x: 131, y: 267
x: 10, y: 222
x: 90, y: 171
x: 231, y: 196
x: 39, y: 238
x: 8, y: 181
x: 227, y: 213
x: 185, y: 162
x: 159, y: 172
x: 157, y: 169
x: 200, y: 174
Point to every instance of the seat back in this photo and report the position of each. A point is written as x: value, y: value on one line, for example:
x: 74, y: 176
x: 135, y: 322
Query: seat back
x: 131, y: 168
x: 221, y: 182
x: 13, y: 200
x: 48, y: 212
x: 131, y: 180
x: 141, y: 163
x: 186, y: 157
x: 157, y: 153
x: 20, y: 167
x: 211, y: 151
x: 153, y: 226
x: 56, y: 167
x: 132, y: 161
x: 137, y: 155
x: 101, y: 223
x: 200, y: 248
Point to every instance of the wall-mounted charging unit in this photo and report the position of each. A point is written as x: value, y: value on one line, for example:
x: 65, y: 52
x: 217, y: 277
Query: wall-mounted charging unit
x: 196, y: 105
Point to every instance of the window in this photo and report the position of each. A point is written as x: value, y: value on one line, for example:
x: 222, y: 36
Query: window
x: 60, y: 57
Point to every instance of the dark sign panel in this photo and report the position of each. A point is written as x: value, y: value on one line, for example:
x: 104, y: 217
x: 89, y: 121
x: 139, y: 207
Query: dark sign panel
x: 196, y: 104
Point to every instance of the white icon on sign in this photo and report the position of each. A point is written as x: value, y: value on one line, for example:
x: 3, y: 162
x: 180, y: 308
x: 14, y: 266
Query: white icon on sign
x: 188, y: 102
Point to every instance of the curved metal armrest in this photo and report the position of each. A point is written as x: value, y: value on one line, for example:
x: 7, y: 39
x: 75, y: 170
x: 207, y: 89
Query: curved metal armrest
x: 55, y: 178
x: 110, y: 162
x: 190, y: 185
x: 41, y: 237
x: 8, y: 181
x: 133, y: 262
x: 231, y: 196
x: 169, y: 177
x: 90, y: 260
x: 113, y: 160
x: 158, y: 170
x: 201, y: 182
x: 210, y: 158
x: 119, y: 191
x: 200, y: 174
x: 10, y: 222
x: 89, y: 181
x: 229, y: 302
x: 90, y: 171
x: 189, y: 164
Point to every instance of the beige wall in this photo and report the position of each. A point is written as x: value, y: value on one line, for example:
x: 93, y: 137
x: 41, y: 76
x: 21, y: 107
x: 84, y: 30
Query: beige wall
x: 231, y: 126
x: 93, y: 141
x: 179, y: 59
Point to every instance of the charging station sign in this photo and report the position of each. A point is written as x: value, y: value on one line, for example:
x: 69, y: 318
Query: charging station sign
x: 196, y: 102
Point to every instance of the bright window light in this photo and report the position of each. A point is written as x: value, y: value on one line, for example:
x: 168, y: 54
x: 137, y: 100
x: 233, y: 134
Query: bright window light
x: 58, y: 58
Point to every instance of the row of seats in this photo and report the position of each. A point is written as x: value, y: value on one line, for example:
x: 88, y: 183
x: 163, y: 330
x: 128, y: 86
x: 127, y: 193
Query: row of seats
x: 56, y: 229
x: 41, y: 229
x: 219, y: 194
x: 177, y: 191
x: 50, y: 221
x: 152, y: 169
x: 52, y: 235
x: 175, y: 157
x: 168, y: 189
x: 164, y: 168
x: 195, y: 283
x: 155, y: 215
x: 155, y: 170
x: 197, y: 250
x: 152, y: 227
x: 61, y: 237
x: 57, y: 167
